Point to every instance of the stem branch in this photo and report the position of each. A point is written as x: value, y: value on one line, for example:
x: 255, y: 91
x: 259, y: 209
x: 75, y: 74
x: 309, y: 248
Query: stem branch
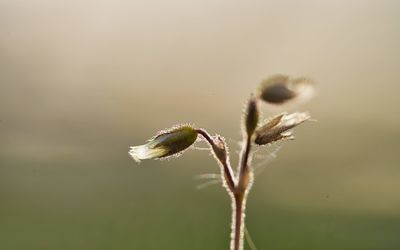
x: 244, y: 158
x: 229, y: 177
x: 245, y: 178
x: 237, y: 187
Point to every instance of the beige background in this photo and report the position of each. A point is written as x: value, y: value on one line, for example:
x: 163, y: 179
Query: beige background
x: 80, y: 81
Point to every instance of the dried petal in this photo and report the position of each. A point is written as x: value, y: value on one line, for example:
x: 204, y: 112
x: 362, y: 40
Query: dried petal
x: 278, y: 128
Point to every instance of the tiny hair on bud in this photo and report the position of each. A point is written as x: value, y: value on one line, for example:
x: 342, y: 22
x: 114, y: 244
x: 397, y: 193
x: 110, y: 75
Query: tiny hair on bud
x: 166, y: 143
x: 251, y: 116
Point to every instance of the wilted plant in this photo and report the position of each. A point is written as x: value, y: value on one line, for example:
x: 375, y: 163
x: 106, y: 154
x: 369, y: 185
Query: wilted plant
x: 276, y: 90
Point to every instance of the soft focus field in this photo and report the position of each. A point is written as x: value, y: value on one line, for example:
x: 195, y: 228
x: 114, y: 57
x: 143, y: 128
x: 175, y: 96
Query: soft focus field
x: 80, y: 81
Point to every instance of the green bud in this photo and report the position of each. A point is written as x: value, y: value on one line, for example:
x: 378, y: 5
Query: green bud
x: 279, y: 89
x: 251, y: 116
x: 279, y: 128
x: 166, y: 143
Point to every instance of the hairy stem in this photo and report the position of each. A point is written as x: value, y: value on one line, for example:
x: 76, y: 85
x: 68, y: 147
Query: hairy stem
x: 238, y: 222
x: 244, y: 161
x: 228, y: 176
x: 237, y: 187
x: 245, y: 179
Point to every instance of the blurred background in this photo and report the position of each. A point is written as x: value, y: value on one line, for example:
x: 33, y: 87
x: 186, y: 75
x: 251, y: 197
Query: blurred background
x: 81, y: 81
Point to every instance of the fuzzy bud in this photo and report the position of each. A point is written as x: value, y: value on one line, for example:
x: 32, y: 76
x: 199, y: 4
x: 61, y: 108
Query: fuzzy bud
x: 166, y: 143
x: 280, y: 89
x: 251, y: 116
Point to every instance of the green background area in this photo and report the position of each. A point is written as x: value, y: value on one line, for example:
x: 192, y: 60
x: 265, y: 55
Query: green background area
x: 82, y: 81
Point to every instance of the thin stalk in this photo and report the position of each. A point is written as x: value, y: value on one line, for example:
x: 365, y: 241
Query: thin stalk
x: 228, y: 176
x: 245, y: 178
x: 249, y: 240
x: 237, y: 187
x: 238, y: 222
x: 244, y: 158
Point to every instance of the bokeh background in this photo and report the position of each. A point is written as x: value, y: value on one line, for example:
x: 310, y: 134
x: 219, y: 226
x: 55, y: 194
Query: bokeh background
x: 81, y: 81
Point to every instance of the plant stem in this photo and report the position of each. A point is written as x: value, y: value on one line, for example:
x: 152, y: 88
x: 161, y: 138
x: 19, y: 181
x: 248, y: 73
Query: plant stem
x: 238, y: 222
x: 245, y: 179
x: 237, y: 187
x: 227, y: 173
x: 245, y: 156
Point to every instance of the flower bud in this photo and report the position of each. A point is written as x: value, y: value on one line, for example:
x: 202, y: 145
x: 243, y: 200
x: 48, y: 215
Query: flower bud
x: 278, y: 128
x: 219, y: 149
x: 166, y: 143
x: 280, y: 89
x: 251, y: 116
